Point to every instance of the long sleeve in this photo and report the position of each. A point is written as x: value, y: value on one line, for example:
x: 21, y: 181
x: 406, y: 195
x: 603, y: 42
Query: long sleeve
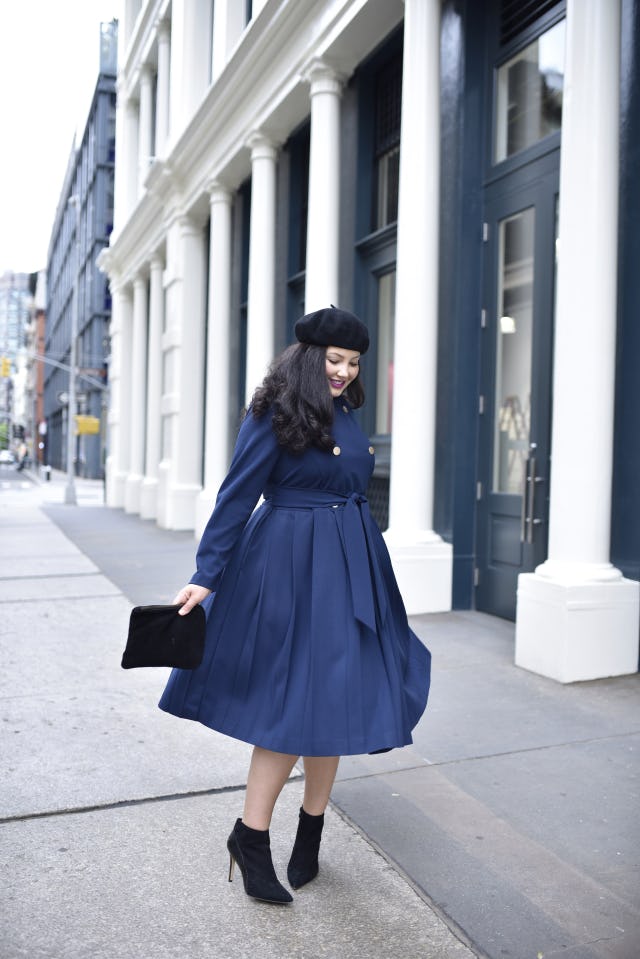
x: 254, y: 457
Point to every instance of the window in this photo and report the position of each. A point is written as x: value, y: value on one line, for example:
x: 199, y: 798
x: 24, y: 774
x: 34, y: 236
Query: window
x: 111, y: 130
x: 108, y: 222
x: 529, y: 94
x: 298, y: 149
x: 384, y: 378
x: 387, y: 141
x: 379, y: 85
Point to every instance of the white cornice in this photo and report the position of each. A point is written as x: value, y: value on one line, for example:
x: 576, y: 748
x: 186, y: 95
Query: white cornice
x: 262, y: 86
x: 249, y: 91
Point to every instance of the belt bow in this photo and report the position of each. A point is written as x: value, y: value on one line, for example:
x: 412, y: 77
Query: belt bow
x: 365, y: 577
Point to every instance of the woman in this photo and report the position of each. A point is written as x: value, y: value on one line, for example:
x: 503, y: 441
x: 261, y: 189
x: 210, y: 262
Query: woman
x: 308, y: 649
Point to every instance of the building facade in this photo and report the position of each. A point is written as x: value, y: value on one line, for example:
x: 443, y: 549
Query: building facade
x: 461, y: 176
x: 78, y: 236
x: 36, y: 426
x: 15, y: 314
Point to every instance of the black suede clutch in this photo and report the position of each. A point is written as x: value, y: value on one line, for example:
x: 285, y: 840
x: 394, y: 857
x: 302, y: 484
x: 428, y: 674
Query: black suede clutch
x: 159, y: 637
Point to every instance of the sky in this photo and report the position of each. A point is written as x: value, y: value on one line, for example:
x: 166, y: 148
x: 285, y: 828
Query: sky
x: 49, y: 62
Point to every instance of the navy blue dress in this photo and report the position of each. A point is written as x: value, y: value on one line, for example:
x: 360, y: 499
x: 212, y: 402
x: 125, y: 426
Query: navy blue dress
x: 308, y: 648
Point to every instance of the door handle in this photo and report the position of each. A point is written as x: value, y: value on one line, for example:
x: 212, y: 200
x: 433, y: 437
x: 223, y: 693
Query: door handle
x: 532, y: 499
x: 528, y: 519
x: 524, y: 511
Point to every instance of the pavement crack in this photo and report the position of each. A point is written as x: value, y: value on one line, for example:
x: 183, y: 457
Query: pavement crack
x: 497, y: 755
x: 48, y: 599
x: 32, y: 576
x: 532, y: 749
x: 121, y: 804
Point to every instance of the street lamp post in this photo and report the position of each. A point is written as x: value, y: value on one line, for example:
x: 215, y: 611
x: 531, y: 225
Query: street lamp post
x: 70, y: 489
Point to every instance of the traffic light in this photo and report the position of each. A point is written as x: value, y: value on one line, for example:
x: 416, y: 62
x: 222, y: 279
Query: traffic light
x: 5, y: 366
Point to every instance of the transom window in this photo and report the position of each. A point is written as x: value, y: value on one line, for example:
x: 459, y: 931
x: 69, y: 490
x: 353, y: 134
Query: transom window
x: 529, y: 94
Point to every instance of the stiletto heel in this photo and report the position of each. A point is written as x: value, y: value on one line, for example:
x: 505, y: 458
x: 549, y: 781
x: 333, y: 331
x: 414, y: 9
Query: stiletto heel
x: 251, y: 849
x: 232, y: 866
x: 303, y: 865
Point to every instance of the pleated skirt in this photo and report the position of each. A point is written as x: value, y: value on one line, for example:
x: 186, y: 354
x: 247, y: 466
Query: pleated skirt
x: 286, y: 665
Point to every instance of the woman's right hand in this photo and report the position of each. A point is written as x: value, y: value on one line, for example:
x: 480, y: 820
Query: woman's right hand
x: 189, y: 597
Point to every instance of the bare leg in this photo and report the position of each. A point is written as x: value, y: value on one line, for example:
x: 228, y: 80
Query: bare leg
x: 319, y: 775
x: 268, y: 773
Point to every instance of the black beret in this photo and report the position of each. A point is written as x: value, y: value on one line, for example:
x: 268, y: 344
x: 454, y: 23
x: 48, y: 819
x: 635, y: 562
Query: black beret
x: 333, y: 327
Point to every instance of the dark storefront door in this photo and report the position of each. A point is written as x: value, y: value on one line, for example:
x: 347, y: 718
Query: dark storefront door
x: 516, y: 361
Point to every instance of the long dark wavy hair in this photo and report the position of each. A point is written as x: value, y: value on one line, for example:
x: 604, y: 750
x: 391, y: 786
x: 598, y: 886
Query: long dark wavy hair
x: 296, y: 389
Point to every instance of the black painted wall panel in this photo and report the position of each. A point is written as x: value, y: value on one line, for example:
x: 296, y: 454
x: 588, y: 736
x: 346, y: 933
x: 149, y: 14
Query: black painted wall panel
x: 625, y: 528
x: 462, y: 135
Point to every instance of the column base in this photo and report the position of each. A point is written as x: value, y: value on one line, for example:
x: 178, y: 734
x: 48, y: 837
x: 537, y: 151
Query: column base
x: 572, y: 631
x: 204, y: 507
x: 424, y: 570
x: 149, y: 498
x: 132, y: 493
x: 116, y: 481
x: 179, y: 506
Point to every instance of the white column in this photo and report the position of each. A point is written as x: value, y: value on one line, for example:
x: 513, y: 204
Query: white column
x: 186, y: 405
x: 162, y: 87
x: 145, y: 134
x: 261, y: 303
x: 190, y: 39
x: 212, y: 41
x: 216, y: 451
x: 219, y: 41
x: 131, y: 128
x: 149, y: 490
x: 137, y: 408
x: 131, y: 11
x: 323, y: 235
x: 176, y: 70
x: 577, y: 617
x: 119, y: 396
x: 423, y: 562
x: 228, y: 24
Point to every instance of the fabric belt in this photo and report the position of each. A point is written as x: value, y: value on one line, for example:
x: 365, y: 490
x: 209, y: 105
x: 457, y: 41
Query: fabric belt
x: 365, y: 576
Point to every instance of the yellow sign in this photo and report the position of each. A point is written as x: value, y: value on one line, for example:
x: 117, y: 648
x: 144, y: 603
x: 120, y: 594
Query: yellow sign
x: 86, y: 425
x: 5, y: 366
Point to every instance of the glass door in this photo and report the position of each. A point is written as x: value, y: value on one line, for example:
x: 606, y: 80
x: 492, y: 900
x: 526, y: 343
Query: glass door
x: 515, y: 401
x: 511, y: 409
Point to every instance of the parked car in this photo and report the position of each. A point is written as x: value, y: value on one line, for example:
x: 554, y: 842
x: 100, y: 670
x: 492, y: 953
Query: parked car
x: 6, y: 456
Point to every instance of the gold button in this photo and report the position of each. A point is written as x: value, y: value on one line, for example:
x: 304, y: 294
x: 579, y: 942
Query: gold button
x: 336, y: 451
x: 371, y: 450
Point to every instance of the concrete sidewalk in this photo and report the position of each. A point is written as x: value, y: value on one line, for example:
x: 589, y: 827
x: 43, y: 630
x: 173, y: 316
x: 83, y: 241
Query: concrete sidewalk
x: 514, y: 814
x: 114, y: 815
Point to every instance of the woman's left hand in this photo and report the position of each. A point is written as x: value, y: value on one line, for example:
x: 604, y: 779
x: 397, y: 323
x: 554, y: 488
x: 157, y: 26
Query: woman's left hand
x: 189, y: 597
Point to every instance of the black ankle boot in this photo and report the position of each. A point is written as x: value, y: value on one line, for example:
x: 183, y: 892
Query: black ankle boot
x: 303, y: 865
x: 251, y: 849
